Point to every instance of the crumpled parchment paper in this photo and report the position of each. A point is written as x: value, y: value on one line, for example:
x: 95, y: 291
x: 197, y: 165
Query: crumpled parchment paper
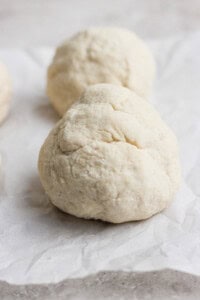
x: 40, y: 244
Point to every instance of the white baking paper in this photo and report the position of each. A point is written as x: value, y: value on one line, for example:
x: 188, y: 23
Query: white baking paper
x: 38, y: 243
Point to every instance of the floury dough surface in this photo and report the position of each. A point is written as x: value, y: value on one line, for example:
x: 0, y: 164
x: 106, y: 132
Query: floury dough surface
x: 99, y: 55
x: 111, y: 157
x: 5, y: 92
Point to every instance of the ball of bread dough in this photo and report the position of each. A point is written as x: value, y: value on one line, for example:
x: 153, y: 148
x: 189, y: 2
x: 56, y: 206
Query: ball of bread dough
x: 111, y: 157
x: 5, y: 92
x: 99, y: 55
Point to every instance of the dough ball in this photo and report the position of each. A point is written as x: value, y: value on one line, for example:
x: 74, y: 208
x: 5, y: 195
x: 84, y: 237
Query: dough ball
x: 99, y: 55
x: 110, y: 157
x: 5, y: 92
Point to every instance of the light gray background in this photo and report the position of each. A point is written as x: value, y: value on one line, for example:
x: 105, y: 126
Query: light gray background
x: 47, y: 22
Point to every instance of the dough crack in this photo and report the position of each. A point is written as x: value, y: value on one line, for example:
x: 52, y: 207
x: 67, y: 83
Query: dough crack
x: 126, y: 140
x: 133, y: 143
x: 122, y: 111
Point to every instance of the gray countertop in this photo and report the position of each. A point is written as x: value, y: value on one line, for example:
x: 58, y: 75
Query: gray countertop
x: 161, y: 285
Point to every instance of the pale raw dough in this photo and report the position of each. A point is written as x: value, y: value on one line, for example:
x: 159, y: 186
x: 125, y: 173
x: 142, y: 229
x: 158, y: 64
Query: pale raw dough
x: 5, y: 92
x: 99, y: 55
x: 111, y: 157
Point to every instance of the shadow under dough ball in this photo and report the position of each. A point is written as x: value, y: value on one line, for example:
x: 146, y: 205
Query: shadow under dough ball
x: 110, y: 157
x: 99, y: 55
x: 5, y: 92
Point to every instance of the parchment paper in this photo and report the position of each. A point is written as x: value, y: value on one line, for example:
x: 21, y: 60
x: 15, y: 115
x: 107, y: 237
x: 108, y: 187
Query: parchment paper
x: 40, y: 244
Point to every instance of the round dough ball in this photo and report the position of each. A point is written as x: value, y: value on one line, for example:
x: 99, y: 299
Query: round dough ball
x: 111, y: 157
x: 99, y: 55
x: 5, y: 92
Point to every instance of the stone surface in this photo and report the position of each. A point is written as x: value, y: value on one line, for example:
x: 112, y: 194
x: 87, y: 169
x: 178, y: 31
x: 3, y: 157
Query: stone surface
x: 165, y: 285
